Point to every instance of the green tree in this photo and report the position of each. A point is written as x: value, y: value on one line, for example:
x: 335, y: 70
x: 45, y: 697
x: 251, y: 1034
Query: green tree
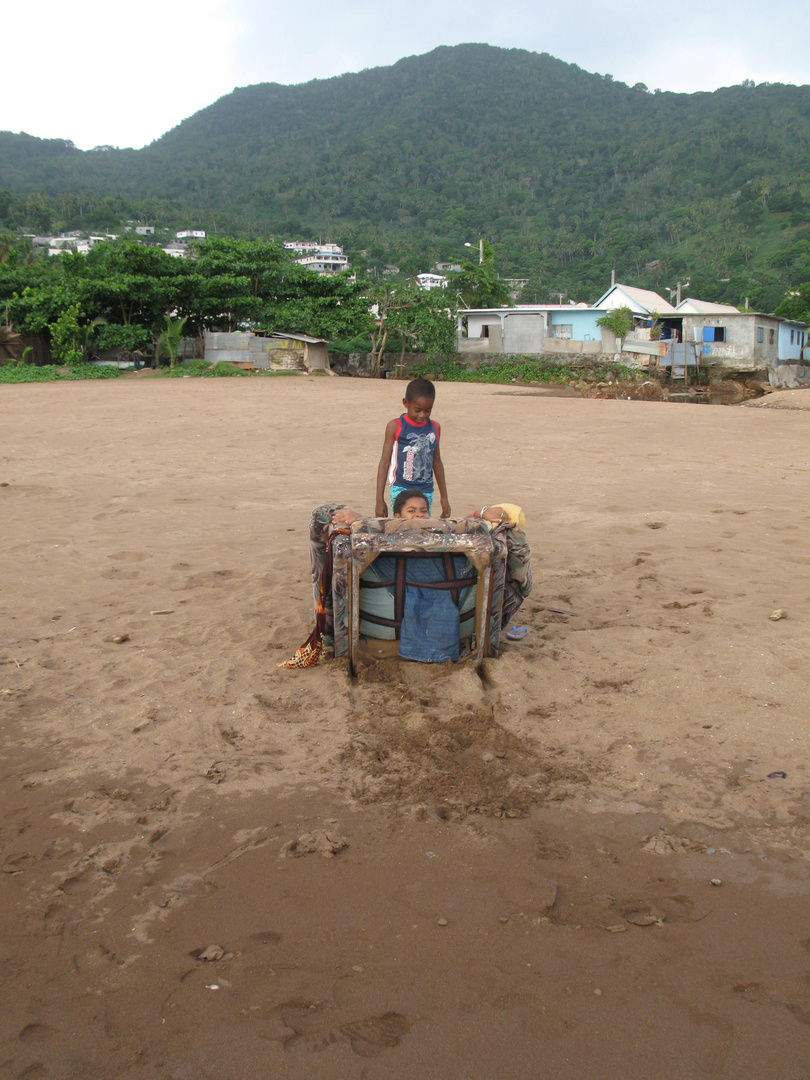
x: 478, y: 286
x: 171, y: 337
x: 422, y: 317
x: 619, y: 321
x: 68, y: 337
x: 796, y: 304
x: 424, y: 320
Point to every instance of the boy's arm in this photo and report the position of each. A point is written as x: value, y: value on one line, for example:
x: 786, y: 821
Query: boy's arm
x: 380, y: 509
x: 438, y: 472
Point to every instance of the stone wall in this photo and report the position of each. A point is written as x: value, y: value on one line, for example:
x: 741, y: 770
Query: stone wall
x: 789, y: 376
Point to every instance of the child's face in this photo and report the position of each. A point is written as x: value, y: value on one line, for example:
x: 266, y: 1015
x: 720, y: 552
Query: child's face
x: 414, y: 508
x: 418, y: 410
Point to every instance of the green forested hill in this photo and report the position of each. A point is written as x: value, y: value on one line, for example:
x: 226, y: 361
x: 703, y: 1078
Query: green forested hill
x: 568, y: 174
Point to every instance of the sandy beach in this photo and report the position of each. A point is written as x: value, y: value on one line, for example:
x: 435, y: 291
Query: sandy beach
x: 588, y: 860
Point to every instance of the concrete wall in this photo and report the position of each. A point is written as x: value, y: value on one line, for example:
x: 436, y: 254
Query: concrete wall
x: 523, y: 333
x: 583, y: 322
x: 789, y: 376
x: 522, y: 344
x: 741, y: 349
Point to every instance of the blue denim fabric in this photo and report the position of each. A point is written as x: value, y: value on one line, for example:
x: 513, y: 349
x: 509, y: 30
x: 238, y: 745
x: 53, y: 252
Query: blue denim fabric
x: 430, y: 622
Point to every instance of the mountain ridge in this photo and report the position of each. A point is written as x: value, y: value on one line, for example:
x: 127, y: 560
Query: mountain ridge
x: 570, y: 174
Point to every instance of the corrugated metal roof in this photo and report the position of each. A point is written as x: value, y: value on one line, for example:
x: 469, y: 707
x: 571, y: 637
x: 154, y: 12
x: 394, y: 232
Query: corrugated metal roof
x: 645, y: 300
x: 706, y: 307
x: 302, y: 337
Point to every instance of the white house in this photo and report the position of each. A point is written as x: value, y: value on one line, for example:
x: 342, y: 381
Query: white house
x: 642, y: 302
x: 312, y: 245
x: 431, y: 281
x: 325, y: 263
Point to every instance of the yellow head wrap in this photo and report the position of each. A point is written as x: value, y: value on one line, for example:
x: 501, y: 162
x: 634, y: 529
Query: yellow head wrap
x: 513, y: 512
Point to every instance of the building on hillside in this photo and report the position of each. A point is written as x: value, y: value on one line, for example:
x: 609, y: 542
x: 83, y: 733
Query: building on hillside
x: 325, y: 263
x: 515, y: 285
x: 190, y: 234
x: 303, y: 246
x: 447, y: 268
x: 431, y: 281
x: 144, y: 230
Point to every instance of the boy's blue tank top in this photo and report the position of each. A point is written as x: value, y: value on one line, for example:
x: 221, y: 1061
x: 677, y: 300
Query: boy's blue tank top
x: 412, y: 455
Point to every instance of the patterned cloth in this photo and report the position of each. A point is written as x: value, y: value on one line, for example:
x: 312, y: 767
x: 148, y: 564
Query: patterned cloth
x: 323, y: 540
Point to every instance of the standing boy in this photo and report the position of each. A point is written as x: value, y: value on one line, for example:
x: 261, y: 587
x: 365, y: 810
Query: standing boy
x: 410, y: 454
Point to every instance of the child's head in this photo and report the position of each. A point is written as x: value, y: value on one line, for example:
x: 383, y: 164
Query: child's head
x: 418, y: 401
x: 410, y: 504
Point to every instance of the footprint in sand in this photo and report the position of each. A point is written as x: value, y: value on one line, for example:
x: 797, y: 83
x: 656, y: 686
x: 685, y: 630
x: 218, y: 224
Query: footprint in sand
x: 35, y: 1071
x: 36, y: 1034
x: 367, y: 1037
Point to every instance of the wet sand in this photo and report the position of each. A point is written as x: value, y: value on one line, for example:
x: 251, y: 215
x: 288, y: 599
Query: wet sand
x: 581, y: 862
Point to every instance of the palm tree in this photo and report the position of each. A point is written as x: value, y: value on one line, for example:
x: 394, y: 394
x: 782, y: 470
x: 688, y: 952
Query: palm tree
x: 172, y: 336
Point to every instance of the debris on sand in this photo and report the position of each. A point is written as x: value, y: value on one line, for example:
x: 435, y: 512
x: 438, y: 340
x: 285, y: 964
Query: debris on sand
x: 324, y: 842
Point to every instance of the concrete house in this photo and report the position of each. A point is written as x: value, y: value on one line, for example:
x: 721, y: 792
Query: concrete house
x: 325, y: 263
x: 529, y: 328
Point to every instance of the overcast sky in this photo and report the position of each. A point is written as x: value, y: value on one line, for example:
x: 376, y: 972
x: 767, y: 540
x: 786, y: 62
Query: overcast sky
x: 123, y: 74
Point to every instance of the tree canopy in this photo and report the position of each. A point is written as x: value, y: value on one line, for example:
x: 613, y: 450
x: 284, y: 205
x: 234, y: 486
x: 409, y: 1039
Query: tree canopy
x: 125, y: 294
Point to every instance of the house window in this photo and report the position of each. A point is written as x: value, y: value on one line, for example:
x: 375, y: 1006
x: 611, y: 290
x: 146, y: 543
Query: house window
x: 714, y: 333
x: 760, y: 335
x: 770, y: 336
x: 563, y: 330
x: 791, y: 337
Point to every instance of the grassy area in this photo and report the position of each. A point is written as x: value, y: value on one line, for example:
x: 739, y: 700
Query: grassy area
x: 24, y: 373
x: 519, y: 369
x: 201, y: 369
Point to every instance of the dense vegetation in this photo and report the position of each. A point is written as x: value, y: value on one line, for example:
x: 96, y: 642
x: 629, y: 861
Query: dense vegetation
x: 570, y: 175
x: 128, y: 296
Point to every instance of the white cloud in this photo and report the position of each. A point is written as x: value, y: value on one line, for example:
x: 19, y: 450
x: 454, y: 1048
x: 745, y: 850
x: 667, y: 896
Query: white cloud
x: 98, y: 73
x: 101, y: 73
